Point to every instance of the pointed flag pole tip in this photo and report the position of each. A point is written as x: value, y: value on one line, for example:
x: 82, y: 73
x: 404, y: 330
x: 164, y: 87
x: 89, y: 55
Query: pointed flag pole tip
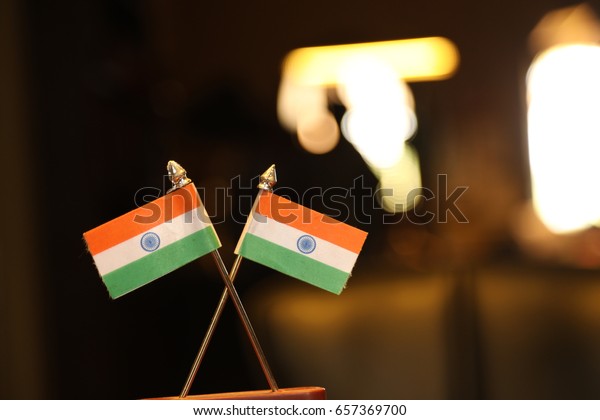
x: 177, y: 176
x: 268, y: 179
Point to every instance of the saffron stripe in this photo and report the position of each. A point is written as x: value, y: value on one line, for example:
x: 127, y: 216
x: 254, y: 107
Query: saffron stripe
x: 144, y: 218
x: 311, y: 222
x: 160, y: 262
x: 131, y: 249
x: 293, y: 264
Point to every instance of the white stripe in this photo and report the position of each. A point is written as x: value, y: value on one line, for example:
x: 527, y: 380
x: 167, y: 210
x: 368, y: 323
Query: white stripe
x: 249, y: 221
x: 169, y: 232
x: 287, y: 237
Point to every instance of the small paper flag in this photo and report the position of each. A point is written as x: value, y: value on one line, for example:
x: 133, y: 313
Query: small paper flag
x: 151, y: 241
x: 300, y: 242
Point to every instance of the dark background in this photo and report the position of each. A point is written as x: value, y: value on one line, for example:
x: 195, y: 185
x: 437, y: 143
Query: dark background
x: 97, y: 96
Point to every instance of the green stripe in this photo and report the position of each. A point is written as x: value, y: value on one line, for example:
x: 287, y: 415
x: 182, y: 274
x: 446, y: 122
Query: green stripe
x: 293, y: 264
x: 160, y: 262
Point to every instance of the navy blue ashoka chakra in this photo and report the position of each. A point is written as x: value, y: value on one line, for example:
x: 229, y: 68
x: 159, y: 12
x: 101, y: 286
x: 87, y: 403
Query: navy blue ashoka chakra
x: 306, y: 244
x: 150, y: 241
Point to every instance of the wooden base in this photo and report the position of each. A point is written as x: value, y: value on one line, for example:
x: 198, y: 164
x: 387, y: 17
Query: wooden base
x: 302, y: 393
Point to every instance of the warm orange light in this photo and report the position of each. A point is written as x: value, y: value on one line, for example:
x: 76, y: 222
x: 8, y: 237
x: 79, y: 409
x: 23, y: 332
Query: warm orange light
x: 318, y: 133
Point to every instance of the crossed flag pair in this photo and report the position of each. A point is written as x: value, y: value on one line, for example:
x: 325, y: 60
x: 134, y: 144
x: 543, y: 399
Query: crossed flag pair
x: 171, y: 231
x: 175, y: 229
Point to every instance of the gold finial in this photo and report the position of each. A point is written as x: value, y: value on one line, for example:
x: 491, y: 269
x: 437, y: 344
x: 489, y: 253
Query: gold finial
x: 268, y: 179
x: 177, y: 175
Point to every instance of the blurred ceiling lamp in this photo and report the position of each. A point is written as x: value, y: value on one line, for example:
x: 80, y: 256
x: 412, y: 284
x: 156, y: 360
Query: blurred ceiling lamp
x: 370, y: 81
x: 563, y: 95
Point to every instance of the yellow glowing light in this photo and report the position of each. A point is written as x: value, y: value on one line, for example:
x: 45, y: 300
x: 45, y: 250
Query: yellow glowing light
x: 370, y: 80
x: 399, y: 184
x: 364, y: 79
x: 563, y: 89
x: 380, y: 115
x: 431, y: 58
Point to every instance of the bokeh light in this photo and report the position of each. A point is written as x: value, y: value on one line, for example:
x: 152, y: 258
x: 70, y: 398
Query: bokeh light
x: 564, y: 136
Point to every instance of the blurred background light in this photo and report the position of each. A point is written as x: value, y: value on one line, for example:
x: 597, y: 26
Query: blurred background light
x: 295, y: 101
x: 563, y: 92
x: 417, y: 59
x: 369, y: 79
x: 400, y: 185
x: 380, y: 115
x: 318, y: 131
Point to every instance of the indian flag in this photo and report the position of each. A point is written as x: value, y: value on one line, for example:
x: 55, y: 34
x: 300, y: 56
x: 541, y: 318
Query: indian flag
x: 151, y: 241
x: 300, y: 242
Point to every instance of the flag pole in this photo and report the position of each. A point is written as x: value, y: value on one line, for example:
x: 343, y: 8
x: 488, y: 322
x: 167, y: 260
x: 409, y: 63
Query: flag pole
x: 246, y: 321
x: 267, y: 181
x: 210, y: 331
